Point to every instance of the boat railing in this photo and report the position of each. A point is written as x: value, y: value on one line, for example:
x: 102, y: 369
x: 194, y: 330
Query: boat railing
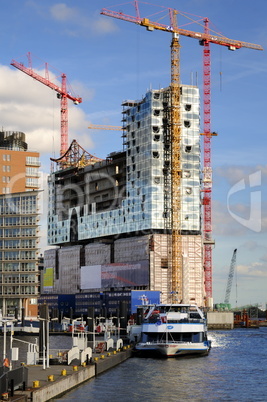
x: 163, y: 342
x: 154, y: 320
x: 186, y: 320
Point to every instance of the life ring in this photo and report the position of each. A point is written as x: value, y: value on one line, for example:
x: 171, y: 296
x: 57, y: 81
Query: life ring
x: 6, y: 362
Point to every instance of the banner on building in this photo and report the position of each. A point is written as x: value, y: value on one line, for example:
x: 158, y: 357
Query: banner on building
x: 115, y: 275
x: 48, y: 278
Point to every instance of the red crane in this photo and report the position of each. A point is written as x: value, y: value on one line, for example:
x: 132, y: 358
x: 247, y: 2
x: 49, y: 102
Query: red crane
x: 205, y: 39
x: 62, y: 94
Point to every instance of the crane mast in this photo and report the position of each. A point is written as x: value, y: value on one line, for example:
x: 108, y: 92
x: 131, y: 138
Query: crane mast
x: 176, y: 164
x: 207, y: 168
x: 62, y: 94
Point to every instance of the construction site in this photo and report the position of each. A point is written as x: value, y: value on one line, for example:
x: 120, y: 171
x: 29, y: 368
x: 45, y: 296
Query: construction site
x: 140, y: 219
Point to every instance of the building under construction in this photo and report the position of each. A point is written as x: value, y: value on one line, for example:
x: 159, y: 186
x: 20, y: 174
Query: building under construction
x: 112, y: 219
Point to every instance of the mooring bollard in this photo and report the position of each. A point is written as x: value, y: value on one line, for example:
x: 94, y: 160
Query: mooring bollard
x: 35, y: 384
x: 64, y: 372
x: 51, y: 378
x: 75, y: 368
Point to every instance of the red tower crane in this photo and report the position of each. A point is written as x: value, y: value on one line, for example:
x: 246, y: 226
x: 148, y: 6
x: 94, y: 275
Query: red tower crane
x: 205, y: 39
x: 62, y: 93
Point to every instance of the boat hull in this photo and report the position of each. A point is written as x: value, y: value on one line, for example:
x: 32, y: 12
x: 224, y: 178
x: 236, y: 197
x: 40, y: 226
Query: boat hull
x: 173, y: 349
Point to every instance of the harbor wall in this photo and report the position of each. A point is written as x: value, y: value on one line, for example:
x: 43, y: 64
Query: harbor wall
x: 220, y: 320
x: 63, y: 384
x: 54, y: 389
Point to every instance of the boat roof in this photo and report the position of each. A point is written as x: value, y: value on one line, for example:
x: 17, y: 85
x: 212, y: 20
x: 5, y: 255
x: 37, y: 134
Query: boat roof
x: 176, y: 305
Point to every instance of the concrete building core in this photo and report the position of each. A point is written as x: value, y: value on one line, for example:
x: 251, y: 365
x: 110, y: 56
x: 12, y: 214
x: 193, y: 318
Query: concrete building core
x: 112, y: 219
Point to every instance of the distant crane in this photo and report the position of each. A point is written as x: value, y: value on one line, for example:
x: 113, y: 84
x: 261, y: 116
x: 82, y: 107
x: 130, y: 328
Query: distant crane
x: 62, y: 94
x: 175, y: 127
x: 230, y: 278
x: 104, y: 127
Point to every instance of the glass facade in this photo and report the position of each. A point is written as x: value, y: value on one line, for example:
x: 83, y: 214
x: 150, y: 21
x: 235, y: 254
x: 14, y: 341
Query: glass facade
x: 145, y: 202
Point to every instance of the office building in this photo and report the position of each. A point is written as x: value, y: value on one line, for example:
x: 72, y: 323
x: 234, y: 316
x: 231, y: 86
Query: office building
x: 19, y: 193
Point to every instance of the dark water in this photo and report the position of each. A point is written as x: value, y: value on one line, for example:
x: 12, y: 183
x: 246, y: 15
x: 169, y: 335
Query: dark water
x: 235, y: 370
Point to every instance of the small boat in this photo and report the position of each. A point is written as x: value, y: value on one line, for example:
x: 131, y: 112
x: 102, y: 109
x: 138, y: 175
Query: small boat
x: 170, y: 330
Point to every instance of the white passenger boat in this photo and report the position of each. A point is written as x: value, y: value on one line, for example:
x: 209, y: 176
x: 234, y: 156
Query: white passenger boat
x: 173, y: 330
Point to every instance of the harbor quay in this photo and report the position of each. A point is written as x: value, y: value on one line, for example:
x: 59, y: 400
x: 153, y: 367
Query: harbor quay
x: 45, y: 384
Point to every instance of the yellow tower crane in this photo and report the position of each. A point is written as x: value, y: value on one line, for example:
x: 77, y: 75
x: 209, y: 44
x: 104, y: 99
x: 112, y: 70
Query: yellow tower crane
x: 175, y: 136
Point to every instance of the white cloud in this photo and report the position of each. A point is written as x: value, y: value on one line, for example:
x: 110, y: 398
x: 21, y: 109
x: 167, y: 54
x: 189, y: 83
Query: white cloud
x: 80, y: 24
x: 254, y: 270
x: 61, y: 12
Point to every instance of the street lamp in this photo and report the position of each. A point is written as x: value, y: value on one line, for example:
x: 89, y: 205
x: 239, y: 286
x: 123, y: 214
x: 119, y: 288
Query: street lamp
x: 46, y: 345
x: 92, y: 318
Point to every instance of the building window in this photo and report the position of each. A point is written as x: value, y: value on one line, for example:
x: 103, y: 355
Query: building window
x: 31, y: 171
x: 31, y: 182
x: 32, y: 161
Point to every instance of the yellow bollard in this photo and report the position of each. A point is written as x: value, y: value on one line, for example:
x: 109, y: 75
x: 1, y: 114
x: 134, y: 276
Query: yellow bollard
x: 102, y: 357
x: 95, y: 359
x: 124, y: 347
x: 51, y: 377
x: 114, y: 352
x: 64, y: 372
x: 75, y: 368
x: 108, y: 354
x: 84, y: 364
x: 35, y: 384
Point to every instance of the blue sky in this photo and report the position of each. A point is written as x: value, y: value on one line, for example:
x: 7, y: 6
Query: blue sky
x: 107, y: 61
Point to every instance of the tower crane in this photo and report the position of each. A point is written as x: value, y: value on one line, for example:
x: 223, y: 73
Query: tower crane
x: 62, y: 94
x: 204, y: 38
x: 175, y: 136
x: 230, y: 278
